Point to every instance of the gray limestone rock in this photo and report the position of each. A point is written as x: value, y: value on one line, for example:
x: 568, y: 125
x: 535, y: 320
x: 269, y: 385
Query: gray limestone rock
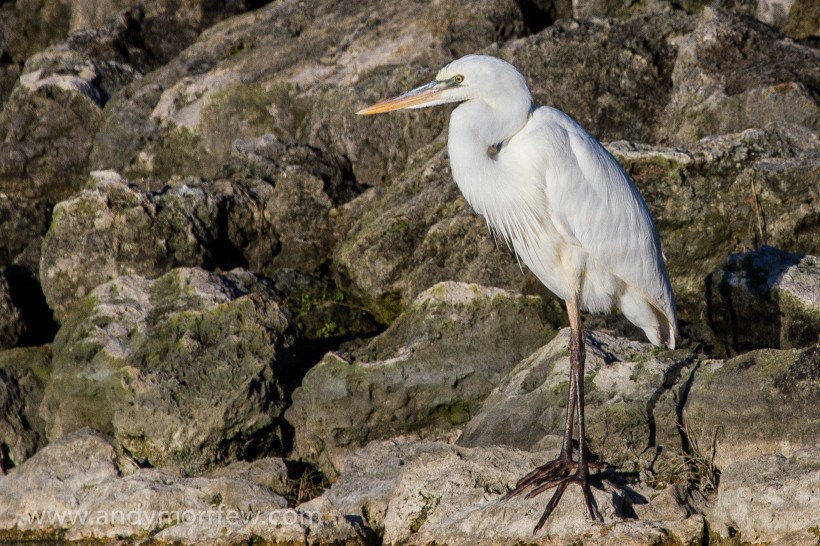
x: 426, y: 375
x: 181, y: 370
x: 421, y: 492
x: 82, y: 488
x: 731, y: 74
x: 630, y: 405
x: 274, y: 210
x: 765, y: 298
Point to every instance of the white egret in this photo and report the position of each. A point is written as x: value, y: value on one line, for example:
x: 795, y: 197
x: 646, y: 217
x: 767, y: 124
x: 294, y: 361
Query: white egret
x: 568, y: 210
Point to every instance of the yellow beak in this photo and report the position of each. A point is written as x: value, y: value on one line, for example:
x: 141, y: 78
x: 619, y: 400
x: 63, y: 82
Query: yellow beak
x: 426, y: 95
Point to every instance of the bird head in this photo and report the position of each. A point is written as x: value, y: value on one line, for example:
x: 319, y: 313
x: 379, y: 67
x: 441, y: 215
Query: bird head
x: 471, y: 77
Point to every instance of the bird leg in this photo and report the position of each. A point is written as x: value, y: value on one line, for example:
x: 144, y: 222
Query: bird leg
x: 562, y: 471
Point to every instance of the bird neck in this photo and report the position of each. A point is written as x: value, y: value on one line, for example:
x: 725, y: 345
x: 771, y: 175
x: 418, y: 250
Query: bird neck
x: 482, y: 159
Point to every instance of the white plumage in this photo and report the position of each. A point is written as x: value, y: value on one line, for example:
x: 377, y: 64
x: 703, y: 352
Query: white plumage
x: 563, y: 203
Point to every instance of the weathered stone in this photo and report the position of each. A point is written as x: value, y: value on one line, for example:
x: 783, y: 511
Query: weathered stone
x: 81, y: 488
x: 758, y: 404
x: 765, y: 298
x: 421, y: 492
x: 425, y: 375
x: 803, y: 21
x: 731, y: 74
x: 725, y: 195
x: 181, y: 370
x: 23, y: 374
x: 162, y: 28
x: 770, y: 499
x: 276, y: 212
x: 630, y: 405
x: 297, y: 70
x: 48, y: 123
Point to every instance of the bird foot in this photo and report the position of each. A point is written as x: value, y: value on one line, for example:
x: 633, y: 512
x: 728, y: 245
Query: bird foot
x: 559, y: 473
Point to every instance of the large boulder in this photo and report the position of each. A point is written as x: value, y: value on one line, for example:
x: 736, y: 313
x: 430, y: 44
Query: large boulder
x: 765, y: 298
x: 631, y: 392
x: 759, y: 404
x: 425, y: 375
x: 184, y: 371
x: 48, y: 123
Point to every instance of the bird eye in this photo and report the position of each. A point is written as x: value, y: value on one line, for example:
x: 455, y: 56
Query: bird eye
x: 458, y: 78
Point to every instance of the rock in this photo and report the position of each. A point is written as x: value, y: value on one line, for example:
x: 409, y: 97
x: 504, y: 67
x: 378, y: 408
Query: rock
x: 23, y: 374
x: 731, y: 74
x: 754, y: 405
x: 770, y: 499
x: 765, y: 298
x: 275, y: 212
x: 426, y: 374
x: 48, y: 123
x: 183, y: 370
x: 297, y: 70
x: 163, y: 27
x: 802, y: 22
x: 724, y: 195
x: 50, y: 118
x: 185, y: 225
x: 579, y: 66
x: 421, y: 492
x: 82, y: 488
x: 630, y: 405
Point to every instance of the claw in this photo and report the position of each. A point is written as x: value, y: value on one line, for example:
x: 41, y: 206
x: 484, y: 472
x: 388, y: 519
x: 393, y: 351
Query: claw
x: 558, y: 474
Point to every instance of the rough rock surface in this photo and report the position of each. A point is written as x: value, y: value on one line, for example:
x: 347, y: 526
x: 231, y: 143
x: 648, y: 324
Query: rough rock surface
x: 421, y: 492
x: 153, y: 32
x: 138, y: 138
x: 82, y: 487
x: 770, y: 499
x: 765, y: 298
x: 631, y: 404
x: 279, y: 69
x: 731, y: 75
x: 724, y: 195
x: 753, y: 405
x: 182, y: 370
x: 276, y: 215
x: 425, y: 375
x: 23, y: 374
